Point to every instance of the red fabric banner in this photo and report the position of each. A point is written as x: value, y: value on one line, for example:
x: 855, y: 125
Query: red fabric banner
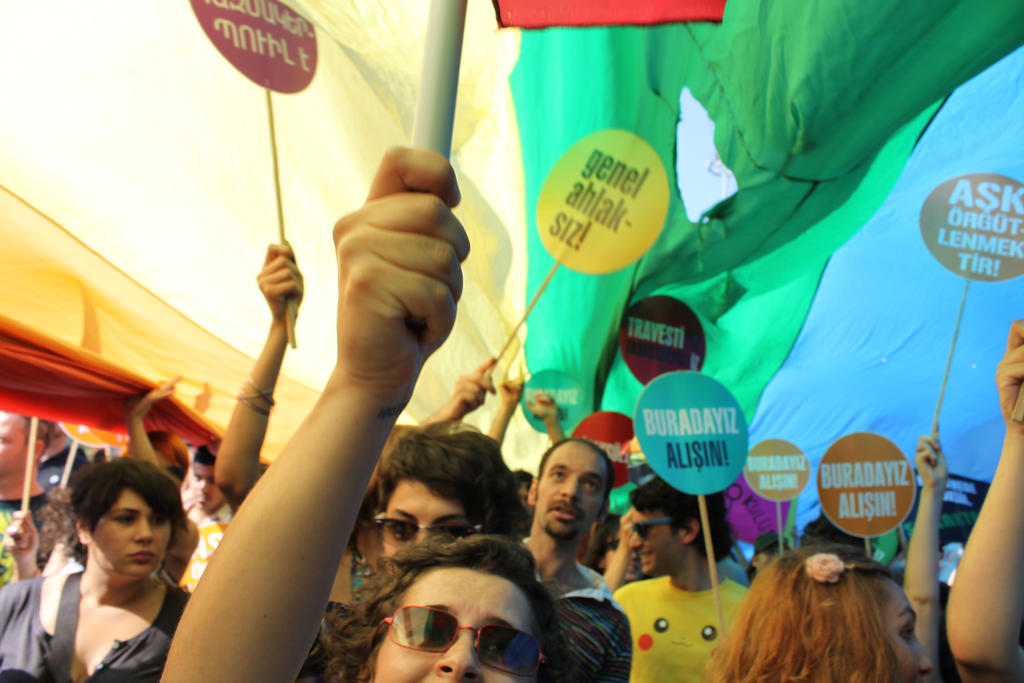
x: 44, y: 378
x: 545, y: 13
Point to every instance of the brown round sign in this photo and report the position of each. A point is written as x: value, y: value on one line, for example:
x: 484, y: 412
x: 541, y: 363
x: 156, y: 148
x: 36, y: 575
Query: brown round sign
x: 865, y: 485
x: 974, y: 226
x: 777, y: 470
x: 267, y: 41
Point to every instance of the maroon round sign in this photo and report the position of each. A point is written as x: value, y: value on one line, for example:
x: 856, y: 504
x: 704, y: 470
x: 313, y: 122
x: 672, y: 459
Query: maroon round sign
x: 660, y: 334
x: 611, y: 431
x: 268, y: 42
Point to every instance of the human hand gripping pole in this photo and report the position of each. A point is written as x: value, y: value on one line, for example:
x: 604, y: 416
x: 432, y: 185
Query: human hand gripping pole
x: 1011, y: 395
x: 399, y: 268
x: 985, y: 610
x: 281, y: 282
x: 399, y: 278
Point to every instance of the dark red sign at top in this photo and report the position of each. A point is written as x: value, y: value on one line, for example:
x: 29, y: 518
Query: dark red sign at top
x: 268, y: 42
x: 660, y: 334
x: 544, y: 13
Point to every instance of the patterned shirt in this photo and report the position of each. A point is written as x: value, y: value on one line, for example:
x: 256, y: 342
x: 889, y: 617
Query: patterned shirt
x: 599, y: 644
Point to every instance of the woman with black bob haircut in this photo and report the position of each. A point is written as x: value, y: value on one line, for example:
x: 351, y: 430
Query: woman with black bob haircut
x: 113, y: 621
x: 411, y: 620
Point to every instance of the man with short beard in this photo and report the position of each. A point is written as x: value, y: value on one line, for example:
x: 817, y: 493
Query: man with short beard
x: 569, y: 495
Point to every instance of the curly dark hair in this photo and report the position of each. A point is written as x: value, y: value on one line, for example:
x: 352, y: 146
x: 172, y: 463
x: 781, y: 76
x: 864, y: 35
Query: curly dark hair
x: 657, y: 495
x: 59, y: 527
x: 603, y: 537
x: 454, y: 461
x: 353, y: 637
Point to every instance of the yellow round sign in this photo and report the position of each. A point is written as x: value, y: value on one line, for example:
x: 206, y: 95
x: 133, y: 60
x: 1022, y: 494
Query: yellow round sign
x: 604, y: 202
x: 777, y: 470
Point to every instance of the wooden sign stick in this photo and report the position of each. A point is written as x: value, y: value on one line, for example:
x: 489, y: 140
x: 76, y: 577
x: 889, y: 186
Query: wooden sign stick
x: 867, y: 548
x: 949, y: 361
x: 66, y: 474
x: 529, y: 308
x: 292, y: 310
x: 778, y: 515
x: 709, y: 550
x: 1018, y: 407
x: 30, y: 461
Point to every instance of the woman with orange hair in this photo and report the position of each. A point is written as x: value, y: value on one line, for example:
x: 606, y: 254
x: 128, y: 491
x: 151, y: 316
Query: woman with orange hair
x: 822, y: 614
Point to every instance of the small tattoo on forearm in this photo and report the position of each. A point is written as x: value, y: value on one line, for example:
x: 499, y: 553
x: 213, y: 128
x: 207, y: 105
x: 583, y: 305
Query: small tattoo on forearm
x: 390, y: 411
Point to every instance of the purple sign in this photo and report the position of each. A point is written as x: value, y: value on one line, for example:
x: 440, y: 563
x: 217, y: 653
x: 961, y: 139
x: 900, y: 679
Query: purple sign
x: 749, y: 514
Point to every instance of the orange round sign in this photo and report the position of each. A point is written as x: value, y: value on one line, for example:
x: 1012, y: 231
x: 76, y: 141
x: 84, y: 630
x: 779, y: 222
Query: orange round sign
x: 95, y: 438
x: 777, y: 470
x: 866, y: 485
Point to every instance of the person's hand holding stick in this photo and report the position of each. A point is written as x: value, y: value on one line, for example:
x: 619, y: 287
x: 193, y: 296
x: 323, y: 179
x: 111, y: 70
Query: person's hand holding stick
x: 986, y: 605
x: 237, y: 465
x: 470, y: 393
x: 543, y: 406
x: 921, y: 581
x: 22, y: 542
x: 509, y: 394
x: 399, y: 280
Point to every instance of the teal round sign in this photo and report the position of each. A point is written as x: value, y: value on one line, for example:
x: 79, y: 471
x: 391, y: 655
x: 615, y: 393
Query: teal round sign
x: 568, y: 394
x: 692, y: 432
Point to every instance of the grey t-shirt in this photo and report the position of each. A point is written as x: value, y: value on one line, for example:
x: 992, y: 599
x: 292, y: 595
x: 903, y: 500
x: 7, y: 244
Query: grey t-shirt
x: 25, y: 645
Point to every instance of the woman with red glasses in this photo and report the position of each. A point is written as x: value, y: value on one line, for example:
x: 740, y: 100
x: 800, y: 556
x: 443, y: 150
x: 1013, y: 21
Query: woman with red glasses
x: 469, y: 609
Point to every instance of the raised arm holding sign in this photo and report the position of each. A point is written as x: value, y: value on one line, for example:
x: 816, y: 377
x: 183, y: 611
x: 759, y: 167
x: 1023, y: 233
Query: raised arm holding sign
x: 237, y: 464
x: 986, y: 606
x: 921, y: 581
x: 403, y: 300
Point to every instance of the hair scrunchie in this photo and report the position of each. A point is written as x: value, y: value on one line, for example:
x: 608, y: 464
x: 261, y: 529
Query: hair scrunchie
x: 825, y: 567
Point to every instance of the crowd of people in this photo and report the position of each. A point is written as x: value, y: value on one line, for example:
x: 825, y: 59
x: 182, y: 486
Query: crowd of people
x: 375, y: 552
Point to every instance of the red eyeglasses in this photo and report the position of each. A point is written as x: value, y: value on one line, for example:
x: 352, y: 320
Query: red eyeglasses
x: 500, y: 647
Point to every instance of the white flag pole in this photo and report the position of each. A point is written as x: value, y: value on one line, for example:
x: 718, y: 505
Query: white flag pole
x: 439, y: 79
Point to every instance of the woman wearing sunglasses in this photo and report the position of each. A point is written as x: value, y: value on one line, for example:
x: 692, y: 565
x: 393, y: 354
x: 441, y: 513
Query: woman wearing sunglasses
x: 469, y: 609
x: 444, y: 481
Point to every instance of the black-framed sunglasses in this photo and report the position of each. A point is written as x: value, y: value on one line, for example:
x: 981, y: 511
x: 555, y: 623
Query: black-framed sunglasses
x: 500, y: 647
x: 643, y: 528
x: 398, y: 531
